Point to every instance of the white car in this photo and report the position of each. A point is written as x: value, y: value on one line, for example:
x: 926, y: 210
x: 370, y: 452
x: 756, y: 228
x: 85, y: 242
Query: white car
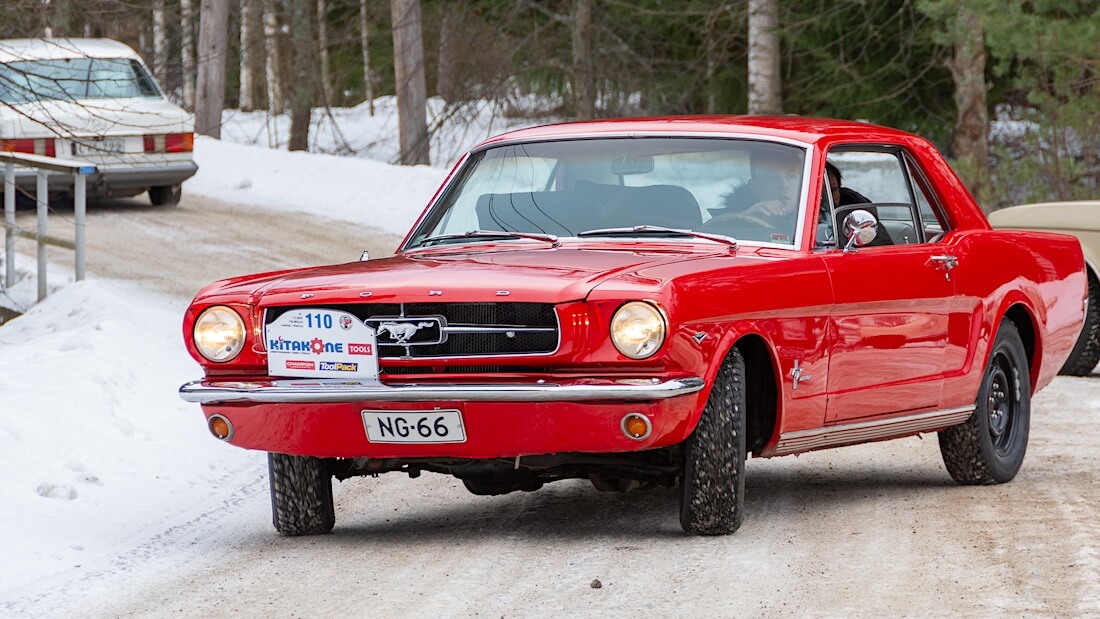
x: 94, y: 100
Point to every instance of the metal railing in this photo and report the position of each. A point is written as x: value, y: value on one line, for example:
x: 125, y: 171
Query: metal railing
x: 43, y: 166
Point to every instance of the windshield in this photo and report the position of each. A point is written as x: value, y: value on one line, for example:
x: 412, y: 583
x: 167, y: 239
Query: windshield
x: 745, y: 189
x: 75, y: 79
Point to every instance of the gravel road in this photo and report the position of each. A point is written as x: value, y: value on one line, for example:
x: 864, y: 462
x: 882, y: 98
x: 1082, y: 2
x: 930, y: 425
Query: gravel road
x: 874, y: 530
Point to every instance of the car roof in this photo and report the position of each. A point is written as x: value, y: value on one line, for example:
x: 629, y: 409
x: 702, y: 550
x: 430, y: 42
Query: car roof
x: 12, y: 50
x: 798, y: 128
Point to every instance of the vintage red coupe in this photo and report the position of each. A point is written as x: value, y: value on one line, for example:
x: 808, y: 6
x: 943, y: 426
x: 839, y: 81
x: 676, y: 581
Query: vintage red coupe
x: 647, y: 302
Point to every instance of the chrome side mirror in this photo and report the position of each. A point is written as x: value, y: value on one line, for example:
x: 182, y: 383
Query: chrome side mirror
x: 860, y: 228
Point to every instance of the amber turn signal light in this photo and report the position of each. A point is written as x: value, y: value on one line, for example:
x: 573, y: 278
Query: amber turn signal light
x: 220, y: 427
x: 636, y: 426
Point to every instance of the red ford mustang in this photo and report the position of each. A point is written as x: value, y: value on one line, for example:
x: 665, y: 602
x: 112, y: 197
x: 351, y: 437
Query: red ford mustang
x: 647, y: 302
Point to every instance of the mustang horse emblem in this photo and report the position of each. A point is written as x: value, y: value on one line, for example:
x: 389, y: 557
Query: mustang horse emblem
x: 400, y: 332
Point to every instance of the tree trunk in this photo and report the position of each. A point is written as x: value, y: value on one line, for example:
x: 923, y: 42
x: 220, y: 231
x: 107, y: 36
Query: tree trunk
x: 408, y: 66
x: 364, y: 40
x: 246, y: 102
x: 301, y: 97
x: 187, y: 57
x: 275, y: 97
x: 970, y: 145
x: 322, y: 46
x: 764, y: 85
x: 210, y: 82
x: 445, y: 78
x: 160, y: 29
x: 583, y: 104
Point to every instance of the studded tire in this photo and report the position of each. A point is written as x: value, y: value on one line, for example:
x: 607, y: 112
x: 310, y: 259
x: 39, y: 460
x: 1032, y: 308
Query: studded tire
x: 1086, y: 353
x: 989, y: 447
x: 301, y: 495
x: 713, y: 484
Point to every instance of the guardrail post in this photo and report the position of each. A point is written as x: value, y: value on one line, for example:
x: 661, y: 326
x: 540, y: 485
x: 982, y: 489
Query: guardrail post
x: 42, y: 197
x: 79, y: 181
x: 9, y: 224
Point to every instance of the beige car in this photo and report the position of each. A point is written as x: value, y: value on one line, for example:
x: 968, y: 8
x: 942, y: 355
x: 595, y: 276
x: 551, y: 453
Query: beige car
x: 1082, y: 220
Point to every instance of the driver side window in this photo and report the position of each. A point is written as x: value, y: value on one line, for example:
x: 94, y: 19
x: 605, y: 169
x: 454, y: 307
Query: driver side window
x: 877, y: 180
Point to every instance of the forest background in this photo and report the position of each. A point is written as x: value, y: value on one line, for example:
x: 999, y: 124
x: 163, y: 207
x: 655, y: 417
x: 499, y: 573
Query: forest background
x: 1008, y: 90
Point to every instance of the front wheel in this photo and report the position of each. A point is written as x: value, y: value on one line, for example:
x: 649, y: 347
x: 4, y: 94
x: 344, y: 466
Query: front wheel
x: 989, y: 447
x: 301, y: 495
x: 713, y: 498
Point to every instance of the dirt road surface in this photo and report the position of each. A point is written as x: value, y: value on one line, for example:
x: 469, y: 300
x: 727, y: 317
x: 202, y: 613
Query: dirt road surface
x: 875, y: 530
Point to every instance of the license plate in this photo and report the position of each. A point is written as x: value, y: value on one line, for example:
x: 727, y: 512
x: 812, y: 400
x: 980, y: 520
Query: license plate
x: 435, y: 426
x: 99, y: 147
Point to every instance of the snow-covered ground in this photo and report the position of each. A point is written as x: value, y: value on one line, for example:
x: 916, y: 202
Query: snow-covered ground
x: 112, y: 455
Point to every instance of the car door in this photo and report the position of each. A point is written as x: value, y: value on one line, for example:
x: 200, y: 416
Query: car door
x: 889, y: 324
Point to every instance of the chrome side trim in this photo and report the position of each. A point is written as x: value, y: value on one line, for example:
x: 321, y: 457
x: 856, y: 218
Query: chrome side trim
x: 865, y: 431
x: 329, y: 390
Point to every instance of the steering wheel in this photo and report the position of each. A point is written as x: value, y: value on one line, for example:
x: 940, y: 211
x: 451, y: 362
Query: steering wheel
x: 740, y: 226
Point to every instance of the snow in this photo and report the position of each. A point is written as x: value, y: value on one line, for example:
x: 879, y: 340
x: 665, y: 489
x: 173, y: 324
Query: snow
x: 113, y: 456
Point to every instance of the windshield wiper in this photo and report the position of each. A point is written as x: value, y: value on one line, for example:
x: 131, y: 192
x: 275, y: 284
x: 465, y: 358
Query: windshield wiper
x: 495, y: 234
x: 718, y: 238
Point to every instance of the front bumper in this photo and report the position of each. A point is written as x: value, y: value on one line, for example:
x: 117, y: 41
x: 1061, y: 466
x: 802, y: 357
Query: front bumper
x: 337, y: 390
x: 324, y: 417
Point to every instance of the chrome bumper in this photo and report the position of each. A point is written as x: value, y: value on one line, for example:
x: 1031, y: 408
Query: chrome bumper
x: 337, y: 390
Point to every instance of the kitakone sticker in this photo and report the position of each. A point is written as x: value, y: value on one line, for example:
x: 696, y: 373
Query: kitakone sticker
x: 316, y: 346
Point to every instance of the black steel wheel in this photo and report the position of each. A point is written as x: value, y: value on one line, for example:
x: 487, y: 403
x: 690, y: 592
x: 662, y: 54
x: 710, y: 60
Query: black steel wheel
x: 1086, y: 353
x: 712, y: 501
x: 301, y: 495
x: 989, y: 447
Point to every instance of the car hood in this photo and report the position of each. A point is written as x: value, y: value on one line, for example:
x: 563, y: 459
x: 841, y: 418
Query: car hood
x: 519, y: 275
x: 97, y: 117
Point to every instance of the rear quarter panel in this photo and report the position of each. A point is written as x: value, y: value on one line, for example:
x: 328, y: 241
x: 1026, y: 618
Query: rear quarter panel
x: 1041, y: 272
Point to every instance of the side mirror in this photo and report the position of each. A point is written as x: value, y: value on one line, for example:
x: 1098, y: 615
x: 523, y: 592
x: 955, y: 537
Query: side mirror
x: 860, y: 228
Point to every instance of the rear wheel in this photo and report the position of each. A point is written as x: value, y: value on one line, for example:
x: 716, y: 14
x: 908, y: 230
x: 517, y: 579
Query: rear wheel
x: 713, y: 498
x: 1086, y: 353
x: 301, y: 494
x: 989, y: 447
x: 167, y: 195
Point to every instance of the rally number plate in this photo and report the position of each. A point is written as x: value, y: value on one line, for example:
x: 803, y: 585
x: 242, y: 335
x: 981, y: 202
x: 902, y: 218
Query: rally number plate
x: 435, y: 426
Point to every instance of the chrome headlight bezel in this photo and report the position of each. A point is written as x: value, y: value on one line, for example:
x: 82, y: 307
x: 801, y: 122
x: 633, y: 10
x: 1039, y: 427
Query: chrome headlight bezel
x: 219, y: 334
x: 638, y: 329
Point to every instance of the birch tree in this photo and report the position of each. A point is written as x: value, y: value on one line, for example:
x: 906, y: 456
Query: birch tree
x: 408, y: 67
x: 764, y: 82
x: 322, y: 47
x: 275, y: 97
x: 247, y: 86
x: 160, y: 28
x: 210, y: 79
x: 187, y: 57
x: 364, y: 41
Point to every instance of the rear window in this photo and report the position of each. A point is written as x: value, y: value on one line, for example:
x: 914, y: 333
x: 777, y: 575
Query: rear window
x: 75, y: 79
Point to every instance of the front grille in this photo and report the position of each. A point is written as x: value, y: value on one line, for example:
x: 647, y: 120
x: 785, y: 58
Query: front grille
x: 472, y: 329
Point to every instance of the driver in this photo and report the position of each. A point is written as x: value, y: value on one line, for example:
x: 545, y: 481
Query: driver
x: 769, y: 199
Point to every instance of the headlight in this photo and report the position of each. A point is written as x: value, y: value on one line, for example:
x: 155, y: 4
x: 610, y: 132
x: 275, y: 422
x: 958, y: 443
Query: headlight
x: 638, y: 330
x: 219, y: 333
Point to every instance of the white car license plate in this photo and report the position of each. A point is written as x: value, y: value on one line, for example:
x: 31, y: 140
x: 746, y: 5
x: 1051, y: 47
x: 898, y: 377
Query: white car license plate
x: 105, y: 146
x: 435, y: 426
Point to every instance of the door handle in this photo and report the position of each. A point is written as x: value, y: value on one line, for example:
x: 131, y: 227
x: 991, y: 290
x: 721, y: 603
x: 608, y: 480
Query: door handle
x: 946, y: 263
